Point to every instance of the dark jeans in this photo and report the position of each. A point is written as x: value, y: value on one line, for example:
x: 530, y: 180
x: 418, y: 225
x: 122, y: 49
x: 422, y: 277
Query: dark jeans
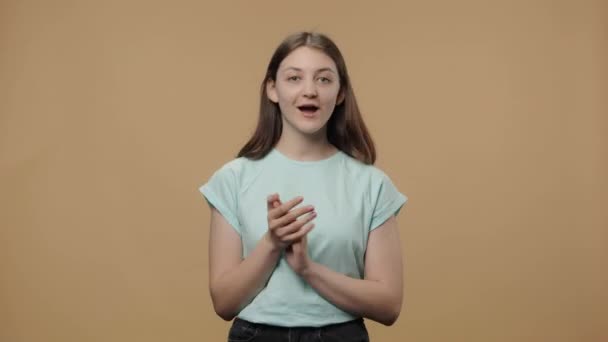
x: 244, y: 331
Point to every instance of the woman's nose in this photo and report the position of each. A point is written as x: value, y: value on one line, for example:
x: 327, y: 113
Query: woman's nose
x: 310, y: 89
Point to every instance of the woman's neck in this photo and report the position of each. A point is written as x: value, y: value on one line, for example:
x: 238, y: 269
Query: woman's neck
x: 303, y: 148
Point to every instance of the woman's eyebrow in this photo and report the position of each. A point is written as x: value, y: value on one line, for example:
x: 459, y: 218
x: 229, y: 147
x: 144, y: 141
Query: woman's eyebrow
x: 316, y: 72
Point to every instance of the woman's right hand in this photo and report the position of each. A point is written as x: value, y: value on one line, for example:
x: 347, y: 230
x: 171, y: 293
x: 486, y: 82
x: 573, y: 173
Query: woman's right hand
x: 284, y: 227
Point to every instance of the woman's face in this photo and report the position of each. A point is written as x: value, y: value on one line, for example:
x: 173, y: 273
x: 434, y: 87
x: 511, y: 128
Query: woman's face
x: 307, y: 89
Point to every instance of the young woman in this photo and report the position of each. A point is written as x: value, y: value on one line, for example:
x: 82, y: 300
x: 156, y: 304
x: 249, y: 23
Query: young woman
x: 304, y: 242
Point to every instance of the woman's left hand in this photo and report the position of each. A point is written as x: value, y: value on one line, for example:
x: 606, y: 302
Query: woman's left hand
x: 297, y: 256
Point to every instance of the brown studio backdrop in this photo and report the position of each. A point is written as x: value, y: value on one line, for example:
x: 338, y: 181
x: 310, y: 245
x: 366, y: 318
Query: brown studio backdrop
x: 490, y: 116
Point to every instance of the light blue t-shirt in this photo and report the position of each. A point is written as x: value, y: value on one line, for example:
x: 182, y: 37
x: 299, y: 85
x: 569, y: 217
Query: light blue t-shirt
x: 350, y: 198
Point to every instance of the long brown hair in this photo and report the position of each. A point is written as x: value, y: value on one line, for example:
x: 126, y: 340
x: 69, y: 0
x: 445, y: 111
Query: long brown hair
x: 345, y: 128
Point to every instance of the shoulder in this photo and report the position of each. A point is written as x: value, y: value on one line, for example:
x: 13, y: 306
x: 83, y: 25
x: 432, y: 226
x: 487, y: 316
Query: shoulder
x: 233, y: 166
x: 240, y: 171
x: 240, y: 165
x: 361, y: 171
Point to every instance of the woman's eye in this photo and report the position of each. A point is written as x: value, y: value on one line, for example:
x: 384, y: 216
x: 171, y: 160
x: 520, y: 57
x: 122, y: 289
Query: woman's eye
x: 324, y: 80
x: 293, y: 78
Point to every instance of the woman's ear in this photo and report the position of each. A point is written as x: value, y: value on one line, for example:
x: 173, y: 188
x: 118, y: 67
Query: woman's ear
x: 271, y: 91
x: 340, y: 99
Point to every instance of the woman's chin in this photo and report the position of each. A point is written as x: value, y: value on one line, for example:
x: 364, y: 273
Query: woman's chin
x: 310, y: 130
x: 307, y: 126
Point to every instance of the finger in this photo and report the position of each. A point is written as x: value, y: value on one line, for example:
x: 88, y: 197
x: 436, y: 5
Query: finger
x: 285, y: 207
x: 295, y: 226
x: 299, y: 234
x: 294, y: 215
x: 270, y: 200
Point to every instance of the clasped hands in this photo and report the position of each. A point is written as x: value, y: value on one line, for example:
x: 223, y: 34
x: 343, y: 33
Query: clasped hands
x: 287, y: 229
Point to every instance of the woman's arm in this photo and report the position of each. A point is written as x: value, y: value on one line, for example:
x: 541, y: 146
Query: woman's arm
x: 234, y: 281
x: 379, y: 295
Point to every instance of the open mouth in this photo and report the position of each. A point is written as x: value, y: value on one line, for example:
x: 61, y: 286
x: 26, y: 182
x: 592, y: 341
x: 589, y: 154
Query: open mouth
x: 308, y: 110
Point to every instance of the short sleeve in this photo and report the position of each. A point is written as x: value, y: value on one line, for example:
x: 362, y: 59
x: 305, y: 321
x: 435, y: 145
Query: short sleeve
x: 388, y: 201
x: 220, y: 192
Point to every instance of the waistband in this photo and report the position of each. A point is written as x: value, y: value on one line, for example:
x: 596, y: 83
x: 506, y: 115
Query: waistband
x: 242, y: 322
